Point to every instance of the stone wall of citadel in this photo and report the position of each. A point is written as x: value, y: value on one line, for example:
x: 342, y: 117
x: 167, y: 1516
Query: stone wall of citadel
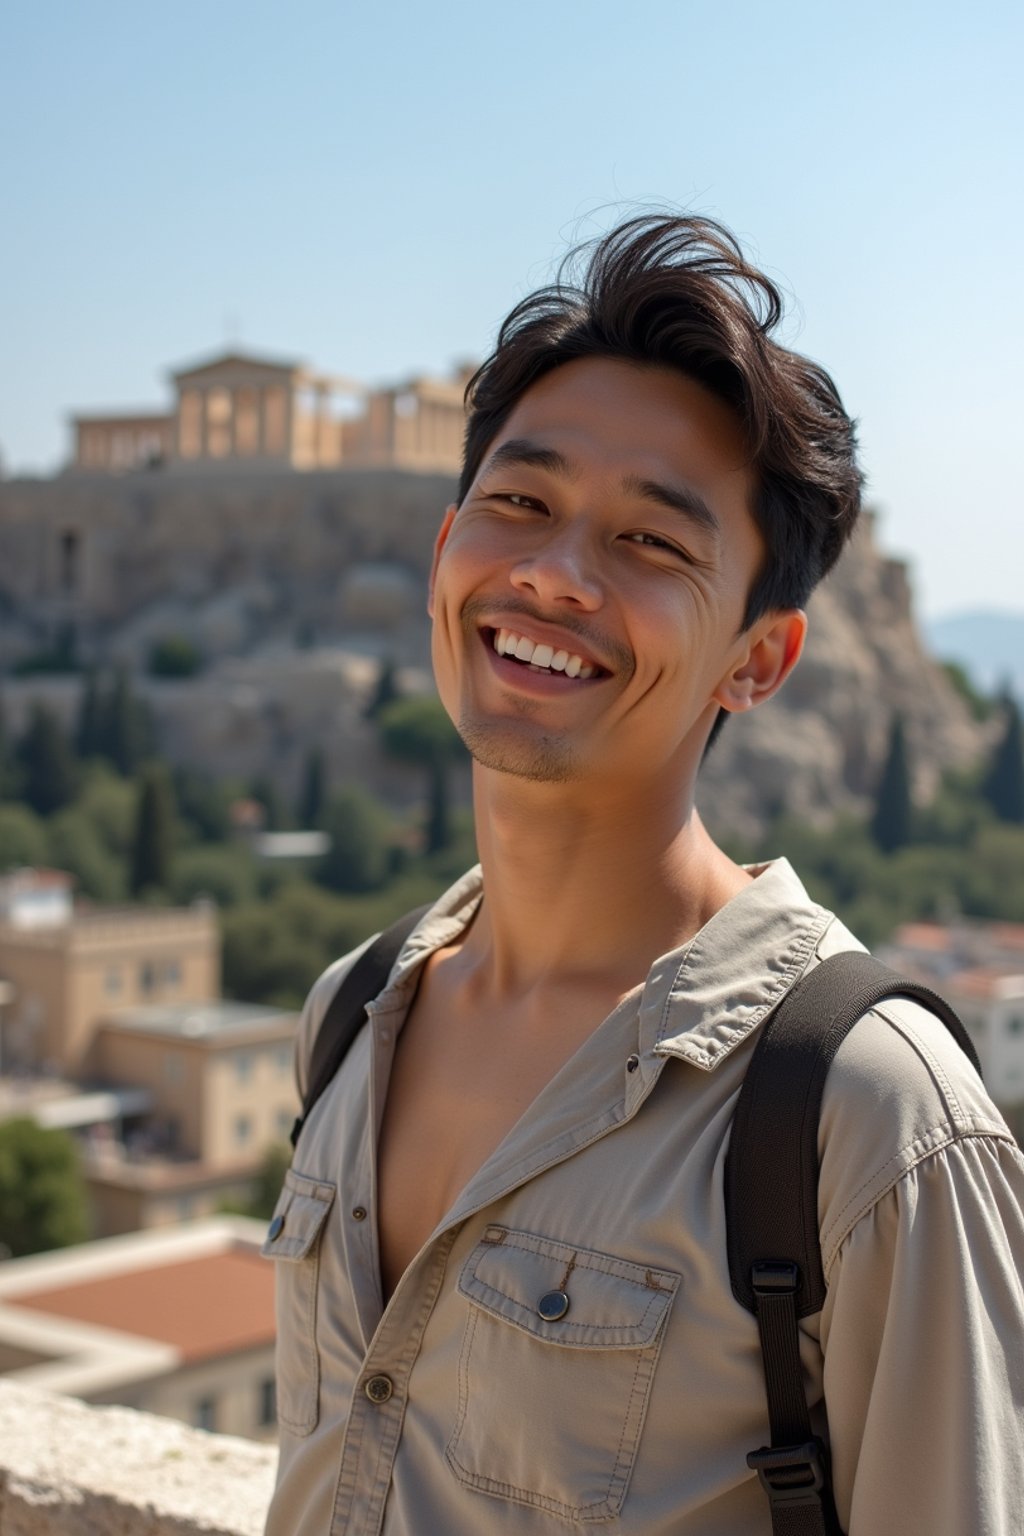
x: 295, y: 585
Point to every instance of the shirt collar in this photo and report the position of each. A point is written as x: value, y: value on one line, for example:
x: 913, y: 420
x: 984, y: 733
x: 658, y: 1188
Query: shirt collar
x: 701, y: 1000
x: 708, y: 996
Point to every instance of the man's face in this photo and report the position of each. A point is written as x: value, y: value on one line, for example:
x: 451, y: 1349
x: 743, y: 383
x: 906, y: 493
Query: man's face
x: 609, y: 526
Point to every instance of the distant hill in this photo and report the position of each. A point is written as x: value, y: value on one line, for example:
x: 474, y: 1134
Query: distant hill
x: 989, y: 644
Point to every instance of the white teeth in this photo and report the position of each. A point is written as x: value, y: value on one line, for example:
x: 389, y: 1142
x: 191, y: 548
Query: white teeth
x: 507, y: 643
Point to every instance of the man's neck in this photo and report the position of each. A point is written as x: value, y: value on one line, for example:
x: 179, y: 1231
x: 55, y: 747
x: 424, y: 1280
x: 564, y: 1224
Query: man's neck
x: 588, y: 885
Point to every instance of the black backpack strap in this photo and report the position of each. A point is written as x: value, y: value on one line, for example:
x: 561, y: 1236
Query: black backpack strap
x: 346, y: 1012
x: 771, y: 1203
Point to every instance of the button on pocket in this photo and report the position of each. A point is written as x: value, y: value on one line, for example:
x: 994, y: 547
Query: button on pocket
x: 293, y: 1242
x: 551, y: 1407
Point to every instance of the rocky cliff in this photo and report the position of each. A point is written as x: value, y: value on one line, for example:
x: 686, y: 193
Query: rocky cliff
x: 294, y: 586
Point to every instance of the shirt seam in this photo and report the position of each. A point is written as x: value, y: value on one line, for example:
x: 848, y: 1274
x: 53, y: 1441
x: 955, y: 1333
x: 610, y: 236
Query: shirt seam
x: 920, y: 1150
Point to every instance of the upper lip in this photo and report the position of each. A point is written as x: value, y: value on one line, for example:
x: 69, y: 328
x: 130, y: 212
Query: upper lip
x: 538, y: 631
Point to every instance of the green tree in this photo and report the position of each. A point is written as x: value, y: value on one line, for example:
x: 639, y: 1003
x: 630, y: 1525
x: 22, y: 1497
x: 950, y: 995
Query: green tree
x: 42, y: 1196
x: 88, y: 739
x: 205, y: 803
x: 48, y: 769
x: 891, y: 820
x: 174, y: 656
x: 153, y: 844
x: 22, y: 837
x: 227, y: 875
x: 314, y: 789
x: 1004, y: 782
x: 265, y: 791
x: 360, y: 833
x: 386, y: 690
x: 126, y: 732
x: 9, y: 776
x: 419, y: 731
x: 75, y: 845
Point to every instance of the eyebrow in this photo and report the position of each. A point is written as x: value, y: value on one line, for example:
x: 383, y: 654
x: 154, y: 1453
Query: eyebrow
x: 520, y: 451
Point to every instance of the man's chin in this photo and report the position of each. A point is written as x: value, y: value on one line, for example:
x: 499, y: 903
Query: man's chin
x: 542, y: 760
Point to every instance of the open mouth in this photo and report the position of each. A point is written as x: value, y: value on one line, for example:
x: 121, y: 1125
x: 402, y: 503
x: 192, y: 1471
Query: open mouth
x: 540, y: 656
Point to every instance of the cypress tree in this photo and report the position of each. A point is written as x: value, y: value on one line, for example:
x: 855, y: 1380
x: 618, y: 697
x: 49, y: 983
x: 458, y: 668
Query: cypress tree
x: 314, y: 790
x: 891, y: 821
x: 47, y: 765
x: 8, y: 771
x: 267, y: 793
x: 152, y: 845
x: 126, y: 733
x: 1004, y: 782
x: 386, y: 690
x: 88, y: 742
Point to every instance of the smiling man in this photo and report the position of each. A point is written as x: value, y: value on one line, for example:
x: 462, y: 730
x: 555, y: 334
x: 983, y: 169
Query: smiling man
x: 503, y: 1282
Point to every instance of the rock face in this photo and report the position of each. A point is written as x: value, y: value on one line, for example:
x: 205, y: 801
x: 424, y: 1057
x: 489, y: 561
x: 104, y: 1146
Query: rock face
x: 295, y: 586
x: 817, y: 748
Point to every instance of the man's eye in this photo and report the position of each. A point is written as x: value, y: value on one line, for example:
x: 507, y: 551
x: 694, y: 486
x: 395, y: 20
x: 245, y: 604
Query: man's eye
x: 522, y: 501
x: 652, y: 541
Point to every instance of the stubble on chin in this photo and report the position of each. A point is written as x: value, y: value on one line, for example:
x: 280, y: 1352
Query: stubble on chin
x: 543, y: 760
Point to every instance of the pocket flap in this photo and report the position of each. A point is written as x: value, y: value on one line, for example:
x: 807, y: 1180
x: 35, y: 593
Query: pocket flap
x: 613, y: 1304
x: 300, y: 1213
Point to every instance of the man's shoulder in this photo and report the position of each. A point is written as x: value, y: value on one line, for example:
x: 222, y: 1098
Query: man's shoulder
x: 899, y: 1091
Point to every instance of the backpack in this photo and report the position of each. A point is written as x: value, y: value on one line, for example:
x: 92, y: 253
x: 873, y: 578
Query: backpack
x: 771, y: 1183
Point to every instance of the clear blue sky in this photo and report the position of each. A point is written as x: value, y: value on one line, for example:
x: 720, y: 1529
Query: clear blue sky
x: 371, y: 186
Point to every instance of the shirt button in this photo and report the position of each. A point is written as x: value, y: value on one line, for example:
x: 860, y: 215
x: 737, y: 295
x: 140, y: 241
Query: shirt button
x: 632, y: 1063
x: 359, y: 1213
x: 276, y: 1228
x: 553, y: 1305
x: 379, y: 1388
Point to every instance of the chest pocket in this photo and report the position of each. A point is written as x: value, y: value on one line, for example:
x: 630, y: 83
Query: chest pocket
x: 293, y: 1242
x: 557, y: 1361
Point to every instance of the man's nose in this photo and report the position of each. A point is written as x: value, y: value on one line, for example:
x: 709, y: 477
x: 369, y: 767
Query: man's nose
x: 563, y: 569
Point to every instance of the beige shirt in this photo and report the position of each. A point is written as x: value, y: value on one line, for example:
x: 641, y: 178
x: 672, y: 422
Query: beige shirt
x: 460, y: 1411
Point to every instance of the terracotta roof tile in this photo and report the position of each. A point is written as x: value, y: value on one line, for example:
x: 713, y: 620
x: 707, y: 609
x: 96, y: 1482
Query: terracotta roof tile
x: 205, y: 1307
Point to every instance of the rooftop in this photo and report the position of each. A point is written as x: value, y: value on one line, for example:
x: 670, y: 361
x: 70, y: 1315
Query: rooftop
x: 213, y: 1022
x: 204, y: 1307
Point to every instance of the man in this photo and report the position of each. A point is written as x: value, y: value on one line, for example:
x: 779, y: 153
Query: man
x: 504, y: 1301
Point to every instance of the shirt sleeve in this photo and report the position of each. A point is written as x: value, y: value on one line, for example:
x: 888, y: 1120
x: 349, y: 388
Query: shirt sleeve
x: 923, y: 1339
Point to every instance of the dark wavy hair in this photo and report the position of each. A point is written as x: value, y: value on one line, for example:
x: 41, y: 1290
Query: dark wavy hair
x: 677, y: 292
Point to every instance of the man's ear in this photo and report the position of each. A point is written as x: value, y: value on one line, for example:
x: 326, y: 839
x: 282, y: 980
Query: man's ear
x: 439, y: 543
x: 773, y: 649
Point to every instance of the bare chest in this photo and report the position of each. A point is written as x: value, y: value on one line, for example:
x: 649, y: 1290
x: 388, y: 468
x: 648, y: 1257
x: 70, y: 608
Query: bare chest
x: 459, y: 1083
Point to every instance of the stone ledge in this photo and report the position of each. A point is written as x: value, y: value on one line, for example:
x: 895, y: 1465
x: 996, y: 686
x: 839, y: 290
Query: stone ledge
x: 70, y: 1469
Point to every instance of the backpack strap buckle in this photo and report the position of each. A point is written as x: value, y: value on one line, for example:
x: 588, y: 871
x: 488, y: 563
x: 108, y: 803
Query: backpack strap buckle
x: 791, y: 1475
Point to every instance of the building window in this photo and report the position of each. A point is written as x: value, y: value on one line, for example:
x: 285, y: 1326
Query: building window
x: 285, y: 1120
x: 243, y: 1066
x: 268, y: 1401
x: 243, y: 1129
x: 1015, y: 1025
x: 112, y: 980
x: 283, y: 1058
x: 206, y: 1413
x: 172, y: 973
x: 173, y: 1070
x: 147, y: 977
